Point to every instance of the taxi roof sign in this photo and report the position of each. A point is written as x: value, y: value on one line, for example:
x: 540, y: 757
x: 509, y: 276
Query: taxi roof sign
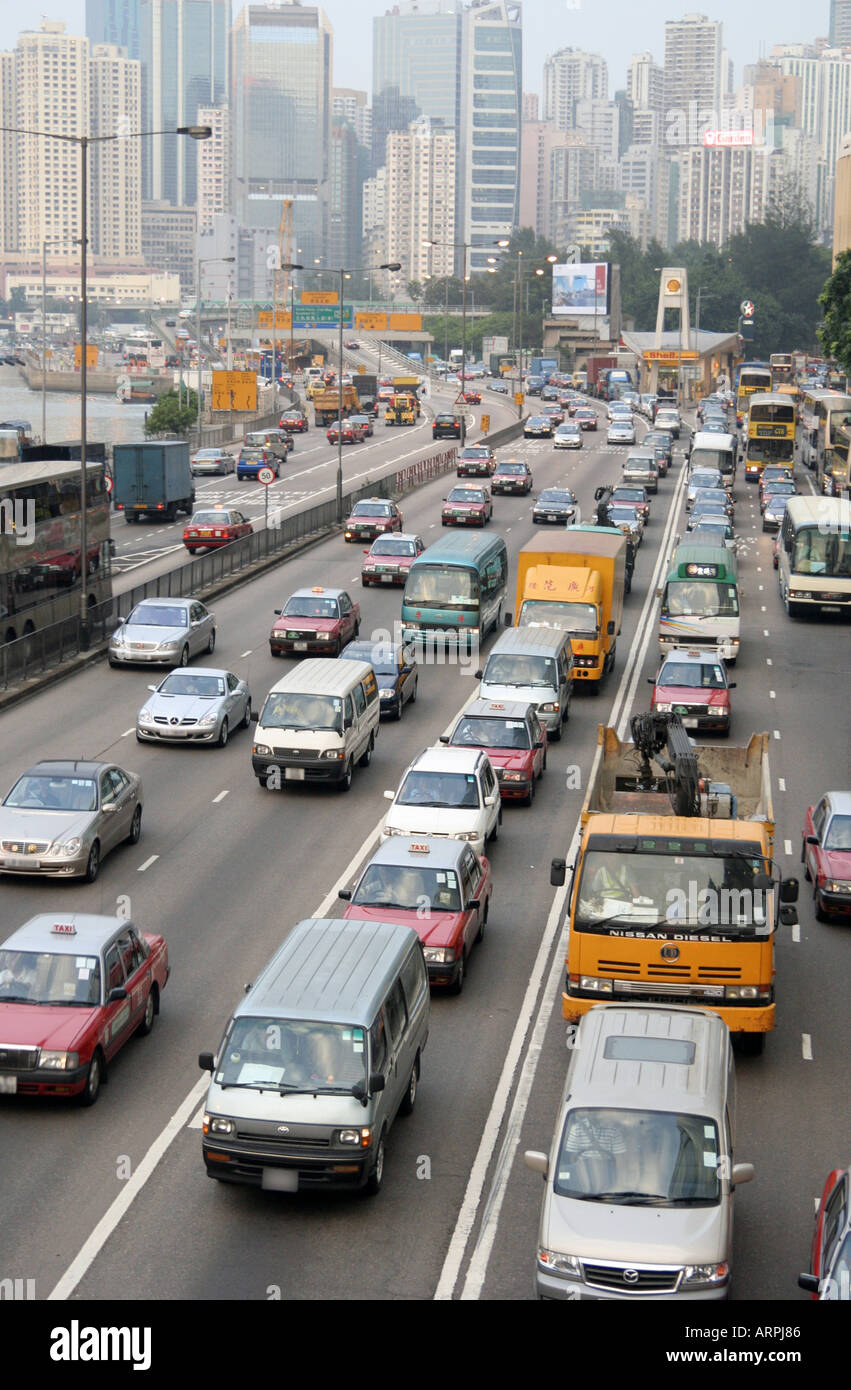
x: 317, y: 589
x: 419, y: 848
x: 64, y: 929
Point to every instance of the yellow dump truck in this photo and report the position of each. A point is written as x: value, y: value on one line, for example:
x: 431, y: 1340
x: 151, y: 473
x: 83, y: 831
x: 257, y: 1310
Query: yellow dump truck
x: 402, y: 409
x: 675, y: 897
x: 326, y: 403
x: 576, y: 582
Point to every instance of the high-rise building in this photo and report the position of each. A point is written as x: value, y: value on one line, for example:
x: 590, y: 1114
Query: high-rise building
x: 823, y: 111
x: 213, y: 165
x: 840, y: 22
x: 57, y: 81
x: 599, y: 121
x: 344, y: 198
x: 420, y: 200
x: 570, y: 75
x: 488, y: 183
x: 645, y: 172
x: 168, y: 241
x: 558, y: 167
x: 645, y: 83
x: 531, y: 103
x: 692, y: 64
x: 374, y: 217
x: 351, y: 107
x: 184, y: 51
x: 281, y: 119
x: 416, y: 56
x: 114, y: 21
x: 721, y: 190
x: 842, y: 201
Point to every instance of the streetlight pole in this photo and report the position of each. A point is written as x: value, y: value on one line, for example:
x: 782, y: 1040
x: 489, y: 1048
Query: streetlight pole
x: 206, y: 260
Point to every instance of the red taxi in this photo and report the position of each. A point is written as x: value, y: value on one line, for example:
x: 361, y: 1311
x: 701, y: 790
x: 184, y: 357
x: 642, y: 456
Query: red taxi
x: 370, y: 518
x: 472, y: 397
x: 294, y: 419
x: 829, y: 1279
x: 353, y: 432
x: 826, y: 854
x: 694, y: 685
x: 316, y: 622
x: 389, y: 558
x: 214, y: 527
x: 440, y: 887
x: 476, y: 461
x: 515, y: 740
x: 467, y: 505
x: 586, y: 417
x: 73, y: 988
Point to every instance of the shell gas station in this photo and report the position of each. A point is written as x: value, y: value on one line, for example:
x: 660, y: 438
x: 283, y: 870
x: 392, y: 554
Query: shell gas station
x: 684, y: 361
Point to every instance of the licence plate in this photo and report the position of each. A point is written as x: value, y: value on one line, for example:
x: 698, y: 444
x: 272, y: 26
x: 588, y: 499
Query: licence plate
x: 8, y: 1085
x: 387, y: 579
x: 205, y: 533
x: 300, y: 646
x: 279, y: 1180
x: 21, y: 861
x: 294, y: 774
x: 830, y: 608
x: 551, y: 516
x: 690, y: 723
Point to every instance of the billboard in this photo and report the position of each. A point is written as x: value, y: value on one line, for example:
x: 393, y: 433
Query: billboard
x: 581, y: 290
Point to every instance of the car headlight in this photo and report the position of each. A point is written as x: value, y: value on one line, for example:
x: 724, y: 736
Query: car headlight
x: 217, y: 1124
x: 262, y: 750
x: 513, y: 777
x: 355, y: 1138
x: 168, y: 644
x: 567, y: 1266
x: 67, y: 848
x: 145, y: 716
x: 386, y: 694
x: 467, y: 835
x: 596, y: 986
x: 117, y: 639
x: 335, y: 754
x: 705, y: 1276
x: 59, y: 1061
x: 323, y: 637
x: 439, y: 955
x: 548, y: 709
x: 747, y: 991
x: 210, y: 718
x: 837, y: 885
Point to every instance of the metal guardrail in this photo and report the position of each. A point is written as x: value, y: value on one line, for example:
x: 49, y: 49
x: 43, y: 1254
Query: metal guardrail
x: 207, y: 574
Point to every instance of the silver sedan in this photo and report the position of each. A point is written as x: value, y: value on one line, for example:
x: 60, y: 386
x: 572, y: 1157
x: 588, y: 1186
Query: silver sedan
x: 164, y: 632
x: 61, y: 818
x: 200, y: 706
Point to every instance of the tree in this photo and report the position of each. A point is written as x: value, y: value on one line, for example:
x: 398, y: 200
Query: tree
x: 415, y: 291
x: 435, y: 293
x: 835, y: 333
x: 170, y: 417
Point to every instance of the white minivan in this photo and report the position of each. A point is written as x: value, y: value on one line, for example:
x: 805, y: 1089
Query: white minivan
x: 641, y: 1175
x: 316, y: 723
x: 447, y: 791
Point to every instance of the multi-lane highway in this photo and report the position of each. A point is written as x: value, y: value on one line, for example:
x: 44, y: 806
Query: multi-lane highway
x: 113, y: 1202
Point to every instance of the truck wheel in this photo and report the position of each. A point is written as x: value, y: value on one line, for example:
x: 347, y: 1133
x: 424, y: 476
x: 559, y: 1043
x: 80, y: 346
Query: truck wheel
x: 171, y: 512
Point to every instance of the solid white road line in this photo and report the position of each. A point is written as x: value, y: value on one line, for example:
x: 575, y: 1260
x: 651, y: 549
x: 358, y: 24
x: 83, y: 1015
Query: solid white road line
x: 128, y: 732
x: 147, y: 864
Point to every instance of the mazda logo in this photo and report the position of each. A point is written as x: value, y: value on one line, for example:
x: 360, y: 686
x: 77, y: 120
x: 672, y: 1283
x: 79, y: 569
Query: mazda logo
x: 670, y: 953
x: 630, y: 1276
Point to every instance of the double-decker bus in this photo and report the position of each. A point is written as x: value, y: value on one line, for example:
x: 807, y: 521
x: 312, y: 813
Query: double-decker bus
x: 841, y: 469
x: 832, y: 410
x: 41, y: 544
x: 814, y: 556
x: 750, y: 377
x: 782, y: 368
x: 770, y: 436
x: 806, y: 429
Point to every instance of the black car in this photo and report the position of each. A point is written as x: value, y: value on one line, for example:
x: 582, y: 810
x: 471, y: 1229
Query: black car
x: 395, y: 667
x: 512, y: 477
x: 555, y: 504
x: 538, y: 427
x: 447, y: 427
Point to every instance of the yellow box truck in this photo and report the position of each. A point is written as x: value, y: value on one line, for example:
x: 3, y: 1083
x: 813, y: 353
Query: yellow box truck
x: 576, y: 583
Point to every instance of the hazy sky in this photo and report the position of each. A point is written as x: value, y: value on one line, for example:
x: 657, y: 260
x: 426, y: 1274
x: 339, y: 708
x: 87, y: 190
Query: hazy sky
x: 615, y: 28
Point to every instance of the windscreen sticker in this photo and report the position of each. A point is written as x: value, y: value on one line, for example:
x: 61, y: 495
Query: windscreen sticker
x: 83, y: 973
x: 710, y: 1159
x: 440, y: 876
x: 69, y: 989
x: 450, y: 879
x: 709, y: 1131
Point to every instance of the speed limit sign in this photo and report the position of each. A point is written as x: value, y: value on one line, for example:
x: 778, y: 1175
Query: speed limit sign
x: 266, y: 476
x: 107, y: 482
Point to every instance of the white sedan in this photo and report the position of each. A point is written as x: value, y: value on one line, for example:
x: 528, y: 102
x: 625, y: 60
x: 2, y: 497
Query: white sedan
x: 621, y: 432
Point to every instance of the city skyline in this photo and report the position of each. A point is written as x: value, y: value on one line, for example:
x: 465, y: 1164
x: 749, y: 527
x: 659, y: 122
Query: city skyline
x: 616, y: 30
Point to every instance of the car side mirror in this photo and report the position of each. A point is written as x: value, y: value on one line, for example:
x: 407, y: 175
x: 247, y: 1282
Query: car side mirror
x: 345, y: 894
x: 812, y: 839
x: 473, y: 904
x: 116, y: 995
x: 539, y: 743
x: 376, y: 1081
x: 610, y: 630
x: 444, y: 738
x: 537, y: 1161
x: 558, y: 872
x: 206, y: 1061
x: 255, y: 717
x: 731, y: 685
x: 155, y: 688
x: 389, y: 796
x: 742, y: 1172
x: 478, y: 676
x: 810, y: 1282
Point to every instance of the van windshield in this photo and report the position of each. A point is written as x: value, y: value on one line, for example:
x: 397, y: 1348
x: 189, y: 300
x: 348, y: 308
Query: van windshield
x: 285, y: 709
x: 504, y: 668
x: 291, y: 1054
x: 579, y: 619
x: 722, y: 459
x: 639, y: 1158
x: 442, y: 588
x: 703, y: 598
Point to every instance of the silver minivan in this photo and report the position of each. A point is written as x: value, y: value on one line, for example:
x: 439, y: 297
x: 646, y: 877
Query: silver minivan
x: 318, y: 1058
x: 533, y: 666
x: 640, y: 1177
x: 316, y: 723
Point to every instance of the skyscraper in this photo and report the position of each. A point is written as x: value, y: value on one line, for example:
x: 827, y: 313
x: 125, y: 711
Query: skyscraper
x: 114, y: 21
x: 645, y: 83
x: 420, y: 199
x: 281, y: 119
x: 416, y: 55
x: 488, y: 185
x: 571, y: 76
x: 184, y: 51
x: 692, y: 64
x: 213, y: 166
x: 840, y: 21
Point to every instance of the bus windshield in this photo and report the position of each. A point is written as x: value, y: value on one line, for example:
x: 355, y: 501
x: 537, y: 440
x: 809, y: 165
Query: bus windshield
x: 824, y: 552
x: 439, y: 587
x: 707, y: 598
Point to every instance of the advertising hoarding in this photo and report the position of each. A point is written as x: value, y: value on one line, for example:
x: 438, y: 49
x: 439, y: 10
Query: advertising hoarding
x: 581, y: 291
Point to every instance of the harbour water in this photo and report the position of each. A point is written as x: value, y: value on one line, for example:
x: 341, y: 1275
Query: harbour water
x: 108, y: 421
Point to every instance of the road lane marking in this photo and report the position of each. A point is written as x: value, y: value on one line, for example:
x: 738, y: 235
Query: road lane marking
x: 772, y: 694
x: 776, y: 733
x: 248, y: 653
x: 221, y: 796
x: 796, y: 932
x: 197, y: 1119
x: 787, y: 846
x: 765, y: 631
x: 781, y: 782
x: 807, y: 1047
x: 147, y: 864
x: 128, y: 732
x: 768, y: 661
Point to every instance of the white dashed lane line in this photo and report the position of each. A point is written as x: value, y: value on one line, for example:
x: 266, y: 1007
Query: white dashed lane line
x: 781, y: 783
x: 128, y: 732
x: 796, y: 932
x: 776, y: 733
x: 248, y: 653
x: 807, y: 1047
x: 787, y: 846
x: 147, y: 864
x: 221, y: 796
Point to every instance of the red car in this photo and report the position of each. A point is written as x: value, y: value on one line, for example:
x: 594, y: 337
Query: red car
x: 389, y: 559
x: 515, y: 740
x: 512, y: 476
x: 438, y: 886
x: 472, y: 397
x: 315, y: 622
x: 694, y: 685
x: 370, y: 518
x: 829, y: 1279
x: 353, y: 432
x: 73, y: 989
x: 467, y: 505
x: 476, y: 461
x: 826, y: 854
x: 586, y: 417
x: 212, y: 528
x: 294, y: 420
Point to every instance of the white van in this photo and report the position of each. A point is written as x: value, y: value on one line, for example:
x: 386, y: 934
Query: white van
x: 316, y: 723
x: 532, y: 665
x: 641, y: 1173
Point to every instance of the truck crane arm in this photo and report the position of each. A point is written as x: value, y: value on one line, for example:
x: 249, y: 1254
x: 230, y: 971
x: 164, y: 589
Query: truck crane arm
x: 653, y: 732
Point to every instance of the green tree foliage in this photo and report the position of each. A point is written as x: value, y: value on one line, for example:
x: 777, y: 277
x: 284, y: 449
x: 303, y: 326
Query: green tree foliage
x: 835, y: 299
x: 168, y: 416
